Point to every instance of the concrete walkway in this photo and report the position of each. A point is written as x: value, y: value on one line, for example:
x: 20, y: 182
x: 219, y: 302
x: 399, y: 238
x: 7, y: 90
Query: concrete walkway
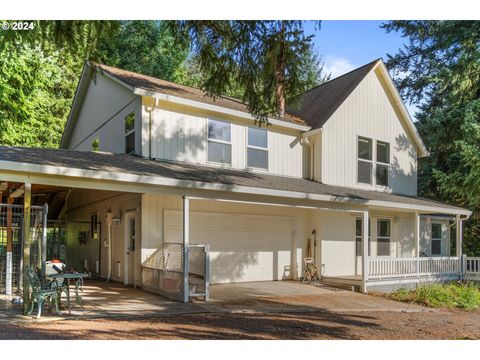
x: 101, y: 300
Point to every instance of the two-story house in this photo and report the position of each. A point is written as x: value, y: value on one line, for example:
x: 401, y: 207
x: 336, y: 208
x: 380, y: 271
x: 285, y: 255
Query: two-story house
x: 334, y: 182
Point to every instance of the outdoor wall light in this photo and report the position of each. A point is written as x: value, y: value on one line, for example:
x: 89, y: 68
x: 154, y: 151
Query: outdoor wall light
x: 116, y: 220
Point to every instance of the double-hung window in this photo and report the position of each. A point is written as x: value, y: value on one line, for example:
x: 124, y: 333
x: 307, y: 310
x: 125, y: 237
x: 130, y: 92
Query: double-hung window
x: 359, y: 235
x: 364, y: 162
x: 366, y: 166
x: 436, y: 239
x: 383, y: 237
x: 257, y: 148
x: 130, y: 133
x: 383, y: 163
x: 219, y: 142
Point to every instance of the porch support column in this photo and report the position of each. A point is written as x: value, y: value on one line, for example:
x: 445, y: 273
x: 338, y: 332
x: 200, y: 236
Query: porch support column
x: 458, y: 244
x: 44, y: 243
x: 26, y: 241
x: 186, y: 243
x: 416, y: 235
x: 458, y: 236
x: 9, y: 260
x: 365, y: 251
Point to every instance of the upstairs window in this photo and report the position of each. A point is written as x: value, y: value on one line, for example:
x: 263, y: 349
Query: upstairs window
x: 436, y: 239
x: 383, y: 163
x: 383, y: 237
x: 219, y: 142
x: 130, y: 133
x: 364, y: 163
x: 257, y: 148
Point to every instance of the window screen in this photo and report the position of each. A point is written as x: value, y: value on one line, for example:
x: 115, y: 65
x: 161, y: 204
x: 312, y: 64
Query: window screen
x: 364, y: 164
x: 130, y: 133
x: 383, y: 237
x: 257, y: 148
x: 383, y: 163
x: 219, y: 146
x: 436, y: 239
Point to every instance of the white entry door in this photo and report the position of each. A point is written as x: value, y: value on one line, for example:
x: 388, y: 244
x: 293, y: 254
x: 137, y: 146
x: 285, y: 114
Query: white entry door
x: 242, y: 247
x: 129, y: 247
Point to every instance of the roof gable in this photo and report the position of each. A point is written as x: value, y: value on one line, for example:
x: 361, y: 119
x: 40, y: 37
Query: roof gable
x: 319, y: 104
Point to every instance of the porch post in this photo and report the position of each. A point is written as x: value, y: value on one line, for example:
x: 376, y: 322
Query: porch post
x: 365, y: 251
x: 9, y: 264
x: 417, y: 242
x: 458, y: 243
x: 26, y: 244
x: 186, y: 243
x: 458, y: 238
x: 44, y: 243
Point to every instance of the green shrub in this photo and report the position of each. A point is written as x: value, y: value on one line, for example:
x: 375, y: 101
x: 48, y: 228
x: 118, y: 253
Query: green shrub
x: 460, y: 295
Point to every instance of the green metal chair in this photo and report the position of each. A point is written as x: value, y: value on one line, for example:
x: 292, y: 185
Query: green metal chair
x: 39, y: 295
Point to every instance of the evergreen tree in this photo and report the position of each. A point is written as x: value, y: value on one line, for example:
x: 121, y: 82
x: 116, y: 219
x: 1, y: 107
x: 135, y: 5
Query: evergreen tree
x: 264, y: 62
x: 439, y: 69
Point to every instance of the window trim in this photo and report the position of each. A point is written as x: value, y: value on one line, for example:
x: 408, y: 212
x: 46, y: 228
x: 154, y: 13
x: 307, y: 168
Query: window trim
x: 371, y: 183
x: 220, y: 142
x: 373, y: 162
x: 435, y: 239
x: 255, y: 148
x: 384, y: 237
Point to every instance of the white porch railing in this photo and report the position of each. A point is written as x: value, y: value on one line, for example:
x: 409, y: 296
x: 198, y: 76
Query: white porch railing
x: 389, y: 268
x: 472, y: 267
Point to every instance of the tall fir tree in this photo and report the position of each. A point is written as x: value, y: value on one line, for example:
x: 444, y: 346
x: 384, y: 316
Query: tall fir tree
x: 439, y: 70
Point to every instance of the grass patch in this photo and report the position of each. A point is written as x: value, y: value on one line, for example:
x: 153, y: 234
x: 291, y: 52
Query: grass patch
x: 454, y: 295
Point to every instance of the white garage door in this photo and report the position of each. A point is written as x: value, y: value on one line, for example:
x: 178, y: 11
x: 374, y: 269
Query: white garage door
x: 242, y: 247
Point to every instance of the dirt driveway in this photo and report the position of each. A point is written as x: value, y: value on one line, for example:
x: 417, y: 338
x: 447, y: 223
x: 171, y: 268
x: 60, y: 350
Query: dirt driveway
x: 297, y: 325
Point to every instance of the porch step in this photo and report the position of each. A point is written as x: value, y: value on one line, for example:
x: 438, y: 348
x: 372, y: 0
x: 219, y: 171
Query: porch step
x: 341, y: 285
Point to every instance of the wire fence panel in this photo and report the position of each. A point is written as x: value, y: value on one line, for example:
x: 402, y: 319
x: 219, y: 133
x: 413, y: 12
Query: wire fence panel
x: 162, y: 271
x: 11, y: 247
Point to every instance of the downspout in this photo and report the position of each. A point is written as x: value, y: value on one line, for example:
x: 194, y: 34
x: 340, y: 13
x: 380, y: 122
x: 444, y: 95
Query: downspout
x: 306, y: 140
x: 149, y: 109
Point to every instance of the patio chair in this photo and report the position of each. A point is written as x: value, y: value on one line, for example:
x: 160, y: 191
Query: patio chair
x: 39, y: 295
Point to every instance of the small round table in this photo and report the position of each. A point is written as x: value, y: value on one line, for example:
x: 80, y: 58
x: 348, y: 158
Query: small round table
x: 78, y: 277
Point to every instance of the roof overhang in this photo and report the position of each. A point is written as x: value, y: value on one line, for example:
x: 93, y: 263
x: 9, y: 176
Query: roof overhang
x: 74, y: 177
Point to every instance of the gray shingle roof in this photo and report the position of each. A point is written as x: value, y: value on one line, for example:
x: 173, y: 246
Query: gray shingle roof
x: 130, y: 164
x: 317, y: 105
x: 149, y: 83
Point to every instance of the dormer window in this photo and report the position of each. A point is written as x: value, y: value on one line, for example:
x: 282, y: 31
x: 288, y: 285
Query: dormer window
x: 130, y: 133
x: 257, y: 148
x: 219, y: 142
x: 365, y: 163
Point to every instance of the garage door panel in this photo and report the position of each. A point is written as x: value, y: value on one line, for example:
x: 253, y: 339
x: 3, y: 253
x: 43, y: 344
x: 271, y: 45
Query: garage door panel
x: 242, y: 247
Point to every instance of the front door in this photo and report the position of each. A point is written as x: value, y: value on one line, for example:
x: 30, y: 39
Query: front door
x: 130, y: 231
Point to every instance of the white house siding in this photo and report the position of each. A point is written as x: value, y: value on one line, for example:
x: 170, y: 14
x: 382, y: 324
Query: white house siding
x: 106, y: 101
x: 247, y: 242
x: 81, y: 205
x: 426, y: 235
x: 180, y: 133
x: 367, y: 112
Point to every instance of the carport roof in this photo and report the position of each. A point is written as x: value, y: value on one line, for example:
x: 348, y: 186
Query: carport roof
x: 98, y: 164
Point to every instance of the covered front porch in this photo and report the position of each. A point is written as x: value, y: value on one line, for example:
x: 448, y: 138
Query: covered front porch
x: 405, y: 247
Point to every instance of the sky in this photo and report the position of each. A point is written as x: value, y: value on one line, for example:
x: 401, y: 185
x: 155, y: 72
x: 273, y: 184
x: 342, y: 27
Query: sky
x: 348, y: 44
